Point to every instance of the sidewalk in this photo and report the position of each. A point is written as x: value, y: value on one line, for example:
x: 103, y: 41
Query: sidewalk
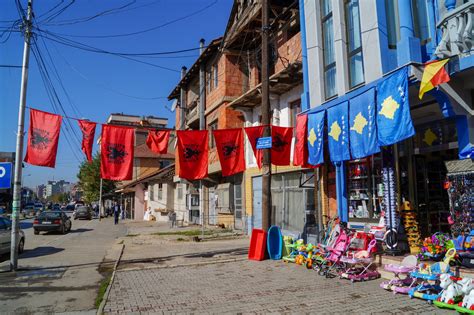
x: 155, y: 244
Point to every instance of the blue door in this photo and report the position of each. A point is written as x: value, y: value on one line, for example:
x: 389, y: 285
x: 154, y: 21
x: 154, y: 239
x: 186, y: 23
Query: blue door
x: 257, y: 202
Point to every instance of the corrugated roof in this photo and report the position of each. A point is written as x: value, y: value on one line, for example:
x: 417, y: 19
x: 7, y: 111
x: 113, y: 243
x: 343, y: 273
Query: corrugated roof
x: 459, y: 166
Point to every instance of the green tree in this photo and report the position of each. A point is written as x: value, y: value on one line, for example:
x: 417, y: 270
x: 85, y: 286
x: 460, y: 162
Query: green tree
x: 89, y: 180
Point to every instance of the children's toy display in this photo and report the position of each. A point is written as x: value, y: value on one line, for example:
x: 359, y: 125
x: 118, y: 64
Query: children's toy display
x: 435, y: 247
x: 294, y: 248
x: 330, y: 265
x: 411, y: 227
x: 401, y: 282
x: 451, y: 292
x: 274, y: 242
x: 464, y: 245
x: 460, y: 188
x: 466, y: 306
x: 428, y: 278
x: 361, y: 265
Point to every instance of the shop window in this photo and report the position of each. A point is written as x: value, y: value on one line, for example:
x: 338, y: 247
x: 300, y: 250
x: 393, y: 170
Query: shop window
x: 225, y: 196
x: 328, y: 49
x: 180, y: 192
x: 151, y: 192
x: 160, y: 191
x: 354, y: 43
x: 365, y: 188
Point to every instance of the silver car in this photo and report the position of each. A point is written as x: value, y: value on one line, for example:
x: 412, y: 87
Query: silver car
x: 6, y: 237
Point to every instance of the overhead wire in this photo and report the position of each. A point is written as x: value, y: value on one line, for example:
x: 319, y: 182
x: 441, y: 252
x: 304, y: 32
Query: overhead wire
x: 60, y: 11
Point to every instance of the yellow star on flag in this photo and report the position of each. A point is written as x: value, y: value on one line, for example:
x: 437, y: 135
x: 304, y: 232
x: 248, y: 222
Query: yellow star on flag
x: 335, y: 131
x: 359, y: 123
x: 389, y: 107
x: 429, y: 137
x: 312, y: 137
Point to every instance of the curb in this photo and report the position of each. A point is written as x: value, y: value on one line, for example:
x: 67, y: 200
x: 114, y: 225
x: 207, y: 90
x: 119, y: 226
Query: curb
x: 198, y: 263
x: 100, y: 310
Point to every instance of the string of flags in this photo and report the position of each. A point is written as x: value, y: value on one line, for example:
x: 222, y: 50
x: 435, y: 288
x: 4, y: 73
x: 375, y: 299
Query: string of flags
x: 352, y: 129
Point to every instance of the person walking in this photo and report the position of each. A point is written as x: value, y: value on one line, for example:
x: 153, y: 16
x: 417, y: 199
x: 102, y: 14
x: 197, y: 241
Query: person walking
x: 116, y: 213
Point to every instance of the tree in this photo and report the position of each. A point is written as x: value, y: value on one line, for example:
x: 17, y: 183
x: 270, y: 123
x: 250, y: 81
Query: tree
x: 89, y: 180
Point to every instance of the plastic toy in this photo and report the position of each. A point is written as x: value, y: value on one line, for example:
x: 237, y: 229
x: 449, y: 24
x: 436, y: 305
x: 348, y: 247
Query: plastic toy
x: 402, y: 282
x: 451, y: 293
x: 294, y: 250
x: 331, y: 265
x: 466, y: 306
x: 361, y: 265
x: 428, y: 278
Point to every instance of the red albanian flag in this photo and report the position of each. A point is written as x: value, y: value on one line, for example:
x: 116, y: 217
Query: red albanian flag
x: 253, y: 133
x: 88, y: 133
x: 116, y: 152
x: 281, y: 145
x: 300, y: 156
x: 230, y: 147
x: 43, y: 136
x: 193, y: 154
x: 157, y: 141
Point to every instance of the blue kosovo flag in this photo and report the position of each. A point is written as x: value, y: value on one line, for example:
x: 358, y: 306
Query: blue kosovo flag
x: 315, y: 138
x: 394, y: 122
x: 363, y: 131
x: 338, y: 132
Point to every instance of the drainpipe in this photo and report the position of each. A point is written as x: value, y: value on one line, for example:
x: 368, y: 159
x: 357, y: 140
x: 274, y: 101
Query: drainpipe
x: 409, y: 47
x: 304, y: 57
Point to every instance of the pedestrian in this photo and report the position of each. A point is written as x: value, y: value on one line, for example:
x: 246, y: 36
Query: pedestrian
x: 173, y: 219
x: 171, y: 215
x: 116, y: 213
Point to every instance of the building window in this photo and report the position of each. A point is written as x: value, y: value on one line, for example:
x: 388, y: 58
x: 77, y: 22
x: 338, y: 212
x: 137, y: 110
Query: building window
x: 295, y: 109
x: 151, y: 192
x: 216, y: 75
x: 393, y: 24
x: 421, y: 26
x: 180, y: 192
x: 160, y: 191
x: 328, y: 49
x: 212, y: 141
x: 209, y: 81
x: 354, y: 43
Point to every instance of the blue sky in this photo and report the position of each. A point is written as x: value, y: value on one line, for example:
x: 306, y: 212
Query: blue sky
x: 100, y: 84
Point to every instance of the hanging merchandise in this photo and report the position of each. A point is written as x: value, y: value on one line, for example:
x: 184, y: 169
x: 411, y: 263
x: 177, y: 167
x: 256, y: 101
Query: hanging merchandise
x: 88, y: 133
x: 338, y: 132
x: 43, y: 136
x: 230, y: 148
x: 157, y: 141
x: 363, y: 131
x: 315, y: 138
x: 394, y: 122
x: 390, y: 202
x: 411, y: 225
x: 253, y: 133
x: 281, y: 145
x: 193, y: 153
x: 116, y: 148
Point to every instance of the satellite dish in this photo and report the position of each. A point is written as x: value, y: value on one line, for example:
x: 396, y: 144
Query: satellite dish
x: 173, y: 106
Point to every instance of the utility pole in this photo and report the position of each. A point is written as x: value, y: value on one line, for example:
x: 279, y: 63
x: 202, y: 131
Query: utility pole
x: 266, y: 165
x: 202, y: 108
x: 19, y: 143
x: 100, y: 200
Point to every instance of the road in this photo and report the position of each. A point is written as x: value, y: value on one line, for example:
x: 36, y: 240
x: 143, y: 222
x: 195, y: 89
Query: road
x: 58, y: 273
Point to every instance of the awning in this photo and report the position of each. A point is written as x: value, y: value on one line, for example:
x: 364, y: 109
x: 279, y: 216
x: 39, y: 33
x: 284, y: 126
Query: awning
x: 457, y: 167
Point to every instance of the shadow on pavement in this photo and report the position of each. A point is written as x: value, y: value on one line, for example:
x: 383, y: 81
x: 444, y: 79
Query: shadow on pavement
x: 81, y: 230
x: 40, y: 251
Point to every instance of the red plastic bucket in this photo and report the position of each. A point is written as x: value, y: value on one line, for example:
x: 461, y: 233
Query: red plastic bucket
x: 258, y: 243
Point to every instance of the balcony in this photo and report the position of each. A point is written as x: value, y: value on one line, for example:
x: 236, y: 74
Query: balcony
x: 457, y: 31
x: 192, y: 115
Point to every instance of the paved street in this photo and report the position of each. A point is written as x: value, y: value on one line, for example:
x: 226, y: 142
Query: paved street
x: 58, y: 273
x: 249, y: 287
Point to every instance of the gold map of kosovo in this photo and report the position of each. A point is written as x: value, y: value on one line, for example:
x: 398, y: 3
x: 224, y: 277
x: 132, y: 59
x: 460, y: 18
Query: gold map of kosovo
x: 335, y: 131
x: 312, y: 137
x: 359, y: 123
x: 429, y: 137
x: 389, y: 107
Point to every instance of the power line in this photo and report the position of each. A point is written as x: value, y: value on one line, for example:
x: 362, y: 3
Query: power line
x: 148, y: 29
x: 55, y: 15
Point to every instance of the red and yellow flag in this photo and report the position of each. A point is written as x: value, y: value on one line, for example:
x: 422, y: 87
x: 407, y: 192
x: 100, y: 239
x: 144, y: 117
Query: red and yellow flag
x: 434, y: 75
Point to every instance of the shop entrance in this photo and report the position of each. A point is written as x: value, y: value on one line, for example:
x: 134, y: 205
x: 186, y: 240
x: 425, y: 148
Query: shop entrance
x: 431, y: 198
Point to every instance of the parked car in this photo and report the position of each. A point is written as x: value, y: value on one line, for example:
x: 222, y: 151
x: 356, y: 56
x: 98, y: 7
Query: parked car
x: 52, y: 221
x: 56, y: 207
x: 83, y: 212
x: 6, y: 237
x: 38, y: 208
x: 29, y: 209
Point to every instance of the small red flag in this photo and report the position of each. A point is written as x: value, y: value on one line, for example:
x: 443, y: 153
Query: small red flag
x: 281, y: 145
x: 88, y: 133
x: 300, y: 156
x: 230, y: 147
x: 157, y: 141
x: 253, y: 133
x: 116, y: 148
x: 43, y: 136
x: 193, y: 153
